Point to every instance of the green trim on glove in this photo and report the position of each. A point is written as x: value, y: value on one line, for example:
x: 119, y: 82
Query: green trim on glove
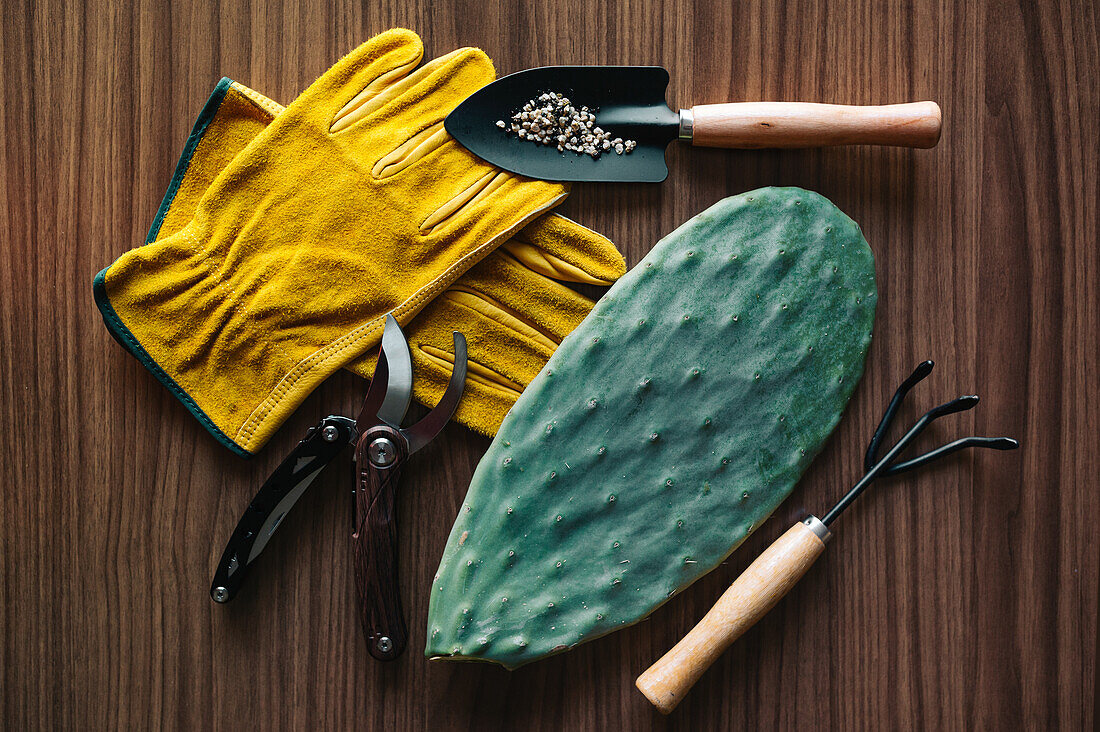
x: 198, y: 131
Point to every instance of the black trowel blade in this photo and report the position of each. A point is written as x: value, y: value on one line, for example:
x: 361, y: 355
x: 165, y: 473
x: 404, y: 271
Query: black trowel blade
x: 629, y: 103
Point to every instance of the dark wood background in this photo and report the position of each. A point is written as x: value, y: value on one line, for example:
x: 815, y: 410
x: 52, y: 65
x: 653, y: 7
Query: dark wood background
x: 962, y: 597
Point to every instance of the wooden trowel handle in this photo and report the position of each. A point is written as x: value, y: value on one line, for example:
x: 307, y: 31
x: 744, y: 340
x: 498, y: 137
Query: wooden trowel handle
x: 751, y: 595
x: 804, y: 124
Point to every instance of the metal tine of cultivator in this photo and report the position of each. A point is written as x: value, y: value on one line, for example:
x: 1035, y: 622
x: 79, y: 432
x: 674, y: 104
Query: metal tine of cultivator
x: 876, y: 467
x: 923, y: 369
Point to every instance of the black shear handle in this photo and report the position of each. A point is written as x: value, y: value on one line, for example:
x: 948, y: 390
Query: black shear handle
x: 380, y: 455
x: 275, y: 499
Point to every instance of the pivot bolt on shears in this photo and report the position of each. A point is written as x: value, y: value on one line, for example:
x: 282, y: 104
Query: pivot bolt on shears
x: 782, y: 564
x: 382, y: 446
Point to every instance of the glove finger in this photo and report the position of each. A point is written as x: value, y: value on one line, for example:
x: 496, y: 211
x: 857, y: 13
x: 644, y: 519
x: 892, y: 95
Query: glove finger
x: 406, y: 120
x: 486, y: 396
x: 503, y: 356
x: 361, y: 74
x: 562, y: 249
x: 231, y: 118
x: 481, y: 205
x: 514, y: 319
x: 510, y: 332
x: 428, y: 94
x: 540, y: 309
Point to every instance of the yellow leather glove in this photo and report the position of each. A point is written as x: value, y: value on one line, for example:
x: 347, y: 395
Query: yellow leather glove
x: 352, y: 203
x: 512, y: 311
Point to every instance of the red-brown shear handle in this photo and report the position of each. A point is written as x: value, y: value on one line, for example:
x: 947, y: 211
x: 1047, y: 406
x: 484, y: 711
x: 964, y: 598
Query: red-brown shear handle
x: 374, y: 544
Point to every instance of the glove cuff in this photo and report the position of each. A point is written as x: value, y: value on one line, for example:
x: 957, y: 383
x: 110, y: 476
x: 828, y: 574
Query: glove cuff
x: 127, y: 340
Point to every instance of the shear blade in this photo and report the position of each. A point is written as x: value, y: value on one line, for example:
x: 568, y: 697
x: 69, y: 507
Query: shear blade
x: 422, y: 432
x: 391, y: 385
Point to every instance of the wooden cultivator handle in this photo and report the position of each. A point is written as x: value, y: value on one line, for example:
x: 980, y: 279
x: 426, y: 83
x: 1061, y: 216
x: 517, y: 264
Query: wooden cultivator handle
x: 751, y: 595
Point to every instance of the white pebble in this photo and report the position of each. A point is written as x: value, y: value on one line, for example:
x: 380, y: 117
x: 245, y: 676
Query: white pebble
x: 552, y: 119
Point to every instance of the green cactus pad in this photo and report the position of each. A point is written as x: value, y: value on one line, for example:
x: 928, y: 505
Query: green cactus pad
x: 665, y: 428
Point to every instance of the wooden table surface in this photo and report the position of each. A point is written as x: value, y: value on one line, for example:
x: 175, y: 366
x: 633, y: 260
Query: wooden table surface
x: 961, y: 597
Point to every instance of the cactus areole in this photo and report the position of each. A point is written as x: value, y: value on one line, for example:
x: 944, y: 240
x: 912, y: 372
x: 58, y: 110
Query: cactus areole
x: 665, y: 428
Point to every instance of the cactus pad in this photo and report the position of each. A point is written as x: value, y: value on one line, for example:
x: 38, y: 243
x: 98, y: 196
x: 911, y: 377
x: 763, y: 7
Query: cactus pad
x: 665, y: 428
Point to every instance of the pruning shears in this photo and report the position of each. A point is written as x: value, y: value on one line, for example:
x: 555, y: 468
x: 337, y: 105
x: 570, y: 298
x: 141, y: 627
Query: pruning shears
x: 382, y: 446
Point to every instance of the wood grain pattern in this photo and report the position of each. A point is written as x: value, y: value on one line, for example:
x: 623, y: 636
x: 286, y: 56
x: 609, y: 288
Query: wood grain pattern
x: 962, y: 597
